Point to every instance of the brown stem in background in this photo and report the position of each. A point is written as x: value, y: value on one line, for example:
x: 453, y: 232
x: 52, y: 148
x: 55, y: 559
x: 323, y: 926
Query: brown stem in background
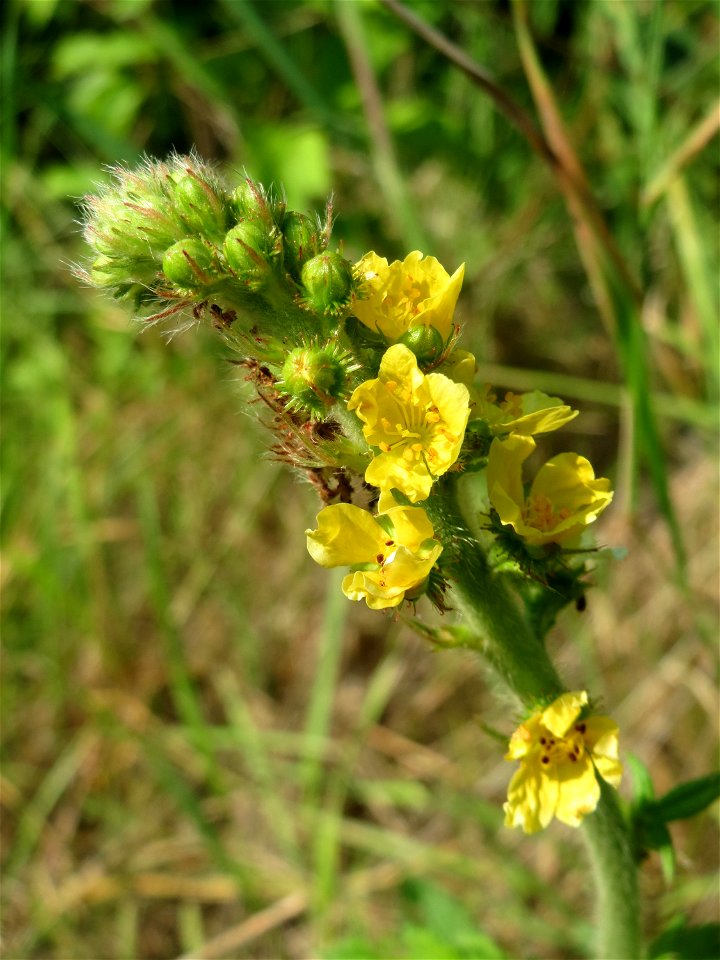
x: 479, y: 76
x: 553, y: 145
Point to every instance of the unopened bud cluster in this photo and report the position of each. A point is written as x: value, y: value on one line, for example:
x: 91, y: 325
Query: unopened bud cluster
x: 173, y: 235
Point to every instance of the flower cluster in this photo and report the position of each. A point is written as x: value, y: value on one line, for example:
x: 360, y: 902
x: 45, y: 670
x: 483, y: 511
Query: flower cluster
x: 368, y: 396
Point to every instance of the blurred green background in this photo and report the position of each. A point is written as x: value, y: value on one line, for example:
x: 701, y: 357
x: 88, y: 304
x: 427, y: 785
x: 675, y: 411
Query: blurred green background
x: 208, y: 751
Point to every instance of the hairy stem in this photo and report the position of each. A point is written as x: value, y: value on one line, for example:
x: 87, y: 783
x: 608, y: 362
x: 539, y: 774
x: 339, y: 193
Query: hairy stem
x: 618, y: 908
x: 503, y: 635
x: 499, y: 627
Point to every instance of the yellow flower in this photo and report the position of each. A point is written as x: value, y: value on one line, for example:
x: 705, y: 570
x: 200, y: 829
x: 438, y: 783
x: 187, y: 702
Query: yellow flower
x: 390, y: 555
x: 524, y: 413
x: 564, y: 497
x: 560, y: 755
x: 407, y: 293
x: 416, y: 421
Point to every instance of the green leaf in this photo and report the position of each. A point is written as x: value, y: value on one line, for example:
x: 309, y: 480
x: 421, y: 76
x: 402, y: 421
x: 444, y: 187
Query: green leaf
x: 650, y: 816
x: 681, y: 942
x: 447, y: 925
x: 352, y: 948
x: 642, y: 784
x: 685, y: 800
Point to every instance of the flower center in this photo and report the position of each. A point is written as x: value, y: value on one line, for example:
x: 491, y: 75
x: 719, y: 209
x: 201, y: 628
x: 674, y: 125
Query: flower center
x: 512, y: 405
x: 554, y: 750
x: 413, y: 438
x: 540, y: 514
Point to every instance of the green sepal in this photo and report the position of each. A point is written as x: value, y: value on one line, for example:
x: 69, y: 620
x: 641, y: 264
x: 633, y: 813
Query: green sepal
x: 248, y: 248
x: 427, y: 546
x: 386, y: 523
x: 253, y: 201
x: 400, y: 499
x: 445, y: 636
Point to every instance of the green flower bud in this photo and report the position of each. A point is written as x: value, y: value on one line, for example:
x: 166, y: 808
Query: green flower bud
x: 327, y: 278
x: 248, y: 248
x: 190, y: 264
x: 313, y: 377
x: 199, y: 206
x: 244, y: 198
x: 301, y: 241
x: 251, y: 201
x: 120, y: 228
x: 426, y: 343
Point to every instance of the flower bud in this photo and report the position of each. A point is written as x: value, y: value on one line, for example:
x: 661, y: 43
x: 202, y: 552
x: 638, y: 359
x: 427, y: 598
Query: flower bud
x: 245, y: 198
x: 117, y: 227
x: 248, y: 248
x: 199, y: 206
x: 327, y: 279
x: 301, y: 241
x: 426, y: 343
x: 190, y: 264
x: 313, y: 377
x: 250, y: 201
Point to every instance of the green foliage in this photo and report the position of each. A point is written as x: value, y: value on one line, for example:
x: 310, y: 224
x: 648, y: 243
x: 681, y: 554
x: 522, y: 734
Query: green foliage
x: 684, y: 942
x: 650, y: 815
x: 437, y: 926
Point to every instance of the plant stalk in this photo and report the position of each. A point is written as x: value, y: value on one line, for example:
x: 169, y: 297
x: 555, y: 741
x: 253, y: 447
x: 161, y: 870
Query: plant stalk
x: 607, y: 837
x: 505, y: 638
x: 499, y: 628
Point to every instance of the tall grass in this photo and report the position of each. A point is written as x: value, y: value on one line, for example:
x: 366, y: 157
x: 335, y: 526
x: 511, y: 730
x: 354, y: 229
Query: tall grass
x: 207, y: 751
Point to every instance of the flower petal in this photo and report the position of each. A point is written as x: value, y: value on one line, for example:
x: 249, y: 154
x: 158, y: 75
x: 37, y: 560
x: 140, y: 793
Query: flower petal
x: 346, y: 535
x: 578, y: 791
x: 504, y: 476
x: 563, y: 712
x: 532, y: 799
x: 601, y: 740
x: 364, y: 586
